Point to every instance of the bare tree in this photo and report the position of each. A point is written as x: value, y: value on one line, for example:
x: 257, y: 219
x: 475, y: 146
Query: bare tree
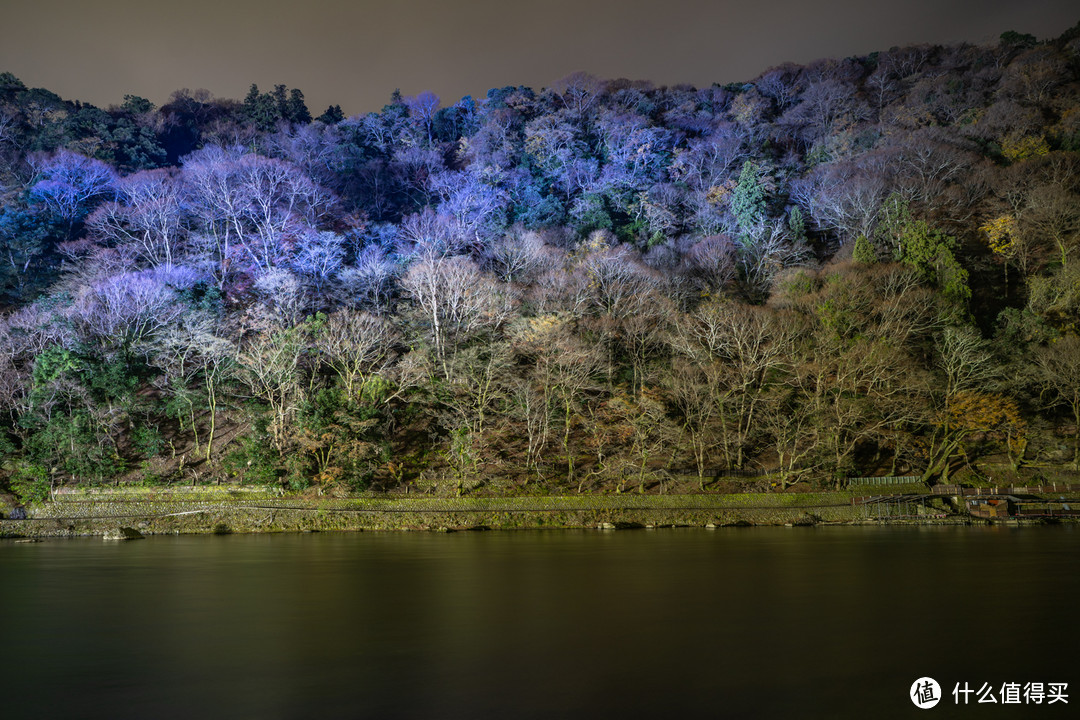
x: 214, y: 196
x: 691, y: 390
x: 1059, y: 373
x: 149, y: 216
x: 282, y: 296
x: 456, y: 300
x: 476, y: 198
x: 842, y: 197
x: 127, y: 310
x: 422, y: 110
x: 357, y: 345
x: 319, y: 256
x: 710, y: 160
x: 741, y: 348
x: 249, y: 208
x: 965, y: 359
x: 429, y: 235
x: 520, y: 257
x: 69, y: 184
x: 761, y: 258
x: 269, y: 365
x: 368, y: 281
x: 1053, y: 212
x: 568, y: 367
x: 528, y: 405
x: 712, y: 263
x: 192, y: 355
x: 578, y: 91
x: 479, y: 386
x: 790, y: 424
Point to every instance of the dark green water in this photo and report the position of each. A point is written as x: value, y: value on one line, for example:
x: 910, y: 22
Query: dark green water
x: 776, y: 622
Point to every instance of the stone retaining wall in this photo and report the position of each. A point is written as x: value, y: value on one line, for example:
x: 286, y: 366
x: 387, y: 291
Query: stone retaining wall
x: 95, y: 517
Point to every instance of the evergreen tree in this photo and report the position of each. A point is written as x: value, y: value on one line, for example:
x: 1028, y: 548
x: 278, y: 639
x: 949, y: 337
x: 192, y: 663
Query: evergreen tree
x: 332, y: 116
x: 864, y: 251
x: 295, y: 109
x: 261, y: 109
x: 797, y: 224
x: 748, y: 199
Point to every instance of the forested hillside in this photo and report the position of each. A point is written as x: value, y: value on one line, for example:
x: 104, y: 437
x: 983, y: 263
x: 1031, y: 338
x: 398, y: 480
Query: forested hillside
x: 860, y: 266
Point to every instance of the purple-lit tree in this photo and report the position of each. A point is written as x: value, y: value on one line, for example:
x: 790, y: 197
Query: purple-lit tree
x: 318, y: 257
x: 149, y: 216
x: 250, y: 209
x: 69, y: 184
x: 422, y: 110
x: 368, y: 281
x: 127, y: 311
x: 710, y: 160
x: 843, y: 198
x: 429, y: 234
x: 476, y: 200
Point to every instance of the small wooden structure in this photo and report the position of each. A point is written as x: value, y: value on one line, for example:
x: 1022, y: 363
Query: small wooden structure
x: 1001, y: 506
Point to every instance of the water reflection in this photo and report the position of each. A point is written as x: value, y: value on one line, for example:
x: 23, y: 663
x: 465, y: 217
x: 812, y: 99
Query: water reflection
x: 737, y: 623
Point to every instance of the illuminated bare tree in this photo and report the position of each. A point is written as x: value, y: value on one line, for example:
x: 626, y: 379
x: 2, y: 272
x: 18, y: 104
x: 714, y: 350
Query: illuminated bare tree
x: 691, y: 391
x: 357, y: 345
x: 578, y: 91
x: 268, y: 364
x: 517, y: 257
x: 422, y: 110
x: 1053, y: 213
x: 194, y: 361
x: 127, y: 311
x: 568, y: 368
x: 250, y: 208
x: 69, y: 183
x: 149, y: 216
x: 456, y: 300
x: 368, y: 281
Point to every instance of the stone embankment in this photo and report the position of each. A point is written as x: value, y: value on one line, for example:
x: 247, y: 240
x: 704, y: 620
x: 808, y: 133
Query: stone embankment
x: 245, y: 510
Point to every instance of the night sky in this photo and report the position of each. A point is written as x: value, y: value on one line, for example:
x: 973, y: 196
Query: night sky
x: 355, y: 53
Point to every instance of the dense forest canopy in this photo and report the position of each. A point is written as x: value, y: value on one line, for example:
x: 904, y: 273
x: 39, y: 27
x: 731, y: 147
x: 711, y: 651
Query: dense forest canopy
x: 858, y: 266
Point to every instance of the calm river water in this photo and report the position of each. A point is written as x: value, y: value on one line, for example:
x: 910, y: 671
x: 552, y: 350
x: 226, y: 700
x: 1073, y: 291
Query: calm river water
x: 769, y: 622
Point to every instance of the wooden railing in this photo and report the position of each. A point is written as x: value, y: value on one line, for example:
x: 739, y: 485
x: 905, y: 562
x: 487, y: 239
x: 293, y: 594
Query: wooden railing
x: 1004, y: 490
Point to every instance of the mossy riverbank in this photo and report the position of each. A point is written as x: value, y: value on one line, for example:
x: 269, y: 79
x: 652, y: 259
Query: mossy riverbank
x: 249, y: 510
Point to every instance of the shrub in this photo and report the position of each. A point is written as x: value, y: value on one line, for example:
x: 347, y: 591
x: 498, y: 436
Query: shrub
x: 31, y: 484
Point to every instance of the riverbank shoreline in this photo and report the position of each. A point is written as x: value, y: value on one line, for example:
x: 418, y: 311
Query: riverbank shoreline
x: 226, y: 510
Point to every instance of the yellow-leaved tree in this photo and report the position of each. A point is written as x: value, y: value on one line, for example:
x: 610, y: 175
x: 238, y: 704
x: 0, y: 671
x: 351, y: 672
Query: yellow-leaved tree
x: 968, y: 413
x: 1003, y: 238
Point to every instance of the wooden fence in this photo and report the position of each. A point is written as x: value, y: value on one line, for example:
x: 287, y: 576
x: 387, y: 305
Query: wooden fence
x: 1004, y: 490
x: 885, y: 480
